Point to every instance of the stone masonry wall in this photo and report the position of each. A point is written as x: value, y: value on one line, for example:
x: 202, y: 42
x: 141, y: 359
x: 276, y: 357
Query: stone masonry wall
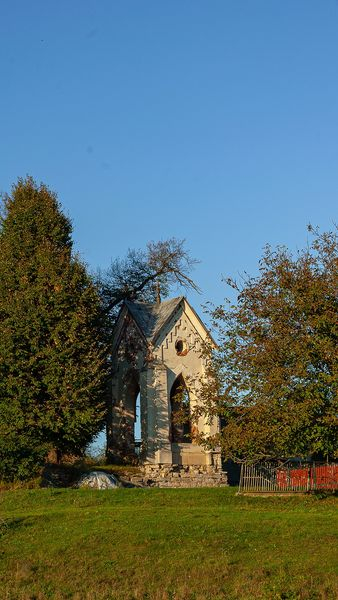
x: 181, y: 476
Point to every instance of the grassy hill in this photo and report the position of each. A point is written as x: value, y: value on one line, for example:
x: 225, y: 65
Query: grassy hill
x: 166, y: 544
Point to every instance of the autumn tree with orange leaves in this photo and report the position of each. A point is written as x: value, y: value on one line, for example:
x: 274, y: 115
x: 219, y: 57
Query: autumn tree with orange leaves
x: 275, y: 372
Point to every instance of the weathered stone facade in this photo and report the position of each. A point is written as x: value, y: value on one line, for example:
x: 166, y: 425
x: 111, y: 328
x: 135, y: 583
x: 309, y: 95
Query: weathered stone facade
x: 157, y: 357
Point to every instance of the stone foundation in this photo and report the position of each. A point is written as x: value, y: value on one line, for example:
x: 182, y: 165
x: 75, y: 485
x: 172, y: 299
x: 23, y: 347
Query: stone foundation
x: 183, y: 476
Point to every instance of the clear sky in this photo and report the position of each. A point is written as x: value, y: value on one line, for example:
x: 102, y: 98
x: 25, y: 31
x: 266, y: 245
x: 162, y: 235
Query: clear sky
x: 214, y: 121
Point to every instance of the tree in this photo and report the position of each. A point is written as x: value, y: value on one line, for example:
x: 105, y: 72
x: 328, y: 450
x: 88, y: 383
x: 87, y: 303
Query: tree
x: 146, y: 274
x: 274, y: 377
x: 52, y: 359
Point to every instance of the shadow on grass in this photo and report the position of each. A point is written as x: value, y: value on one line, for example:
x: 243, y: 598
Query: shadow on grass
x: 9, y: 525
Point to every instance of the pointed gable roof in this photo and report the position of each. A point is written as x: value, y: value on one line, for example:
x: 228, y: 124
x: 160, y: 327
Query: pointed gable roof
x: 150, y: 318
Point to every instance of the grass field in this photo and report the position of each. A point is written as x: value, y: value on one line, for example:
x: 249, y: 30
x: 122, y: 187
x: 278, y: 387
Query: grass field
x: 166, y: 544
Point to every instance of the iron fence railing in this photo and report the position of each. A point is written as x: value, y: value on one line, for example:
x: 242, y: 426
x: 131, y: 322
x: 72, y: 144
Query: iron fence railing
x: 288, y: 477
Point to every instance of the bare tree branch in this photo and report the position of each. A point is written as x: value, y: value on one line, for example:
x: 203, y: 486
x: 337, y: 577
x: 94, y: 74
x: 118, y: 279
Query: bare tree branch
x: 162, y: 266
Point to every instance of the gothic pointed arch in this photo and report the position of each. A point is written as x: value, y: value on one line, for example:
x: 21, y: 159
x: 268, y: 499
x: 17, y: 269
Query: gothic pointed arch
x: 128, y: 408
x: 180, y: 412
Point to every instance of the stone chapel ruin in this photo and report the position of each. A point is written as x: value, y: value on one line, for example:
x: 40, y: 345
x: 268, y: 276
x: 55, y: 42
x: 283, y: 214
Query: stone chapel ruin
x: 157, y: 370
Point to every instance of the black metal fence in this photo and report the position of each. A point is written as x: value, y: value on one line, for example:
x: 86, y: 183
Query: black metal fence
x: 288, y: 477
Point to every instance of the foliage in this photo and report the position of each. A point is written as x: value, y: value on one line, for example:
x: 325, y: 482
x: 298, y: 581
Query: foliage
x: 52, y: 362
x: 275, y: 373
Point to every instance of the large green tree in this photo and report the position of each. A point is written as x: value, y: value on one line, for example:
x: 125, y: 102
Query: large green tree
x: 52, y: 358
x: 274, y: 376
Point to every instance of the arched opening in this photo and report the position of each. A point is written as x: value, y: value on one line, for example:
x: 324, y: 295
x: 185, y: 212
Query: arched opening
x: 137, y: 423
x: 180, y: 412
x: 130, y: 422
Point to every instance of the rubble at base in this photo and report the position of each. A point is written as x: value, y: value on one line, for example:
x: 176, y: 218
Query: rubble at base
x: 149, y: 475
x: 98, y: 480
x: 179, y: 476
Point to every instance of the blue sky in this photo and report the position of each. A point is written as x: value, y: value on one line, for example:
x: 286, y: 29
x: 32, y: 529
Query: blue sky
x: 214, y: 121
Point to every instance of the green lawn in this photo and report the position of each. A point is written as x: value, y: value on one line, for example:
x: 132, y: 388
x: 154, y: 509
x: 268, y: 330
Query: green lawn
x: 166, y: 544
